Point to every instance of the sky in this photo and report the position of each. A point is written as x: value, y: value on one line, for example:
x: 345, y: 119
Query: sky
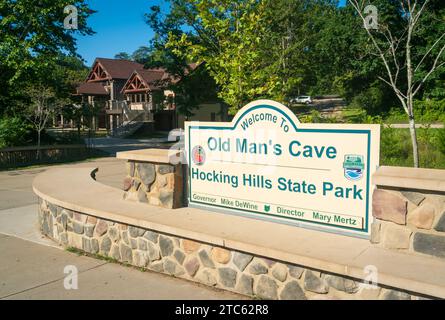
x: 119, y: 26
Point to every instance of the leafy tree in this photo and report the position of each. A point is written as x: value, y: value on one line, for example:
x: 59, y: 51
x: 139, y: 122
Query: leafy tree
x: 122, y: 55
x: 35, y: 29
x: 41, y: 107
x: 407, y: 66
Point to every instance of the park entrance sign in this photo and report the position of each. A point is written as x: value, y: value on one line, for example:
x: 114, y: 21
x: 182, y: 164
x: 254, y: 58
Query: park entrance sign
x: 268, y: 165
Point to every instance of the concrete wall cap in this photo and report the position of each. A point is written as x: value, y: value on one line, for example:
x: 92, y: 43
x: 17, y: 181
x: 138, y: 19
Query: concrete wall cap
x: 410, y: 178
x: 150, y: 155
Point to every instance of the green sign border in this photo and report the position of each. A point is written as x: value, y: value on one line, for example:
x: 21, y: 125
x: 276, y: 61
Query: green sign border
x: 268, y: 216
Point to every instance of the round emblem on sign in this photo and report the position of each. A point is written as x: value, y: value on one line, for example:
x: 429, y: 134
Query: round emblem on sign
x: 198, y: 155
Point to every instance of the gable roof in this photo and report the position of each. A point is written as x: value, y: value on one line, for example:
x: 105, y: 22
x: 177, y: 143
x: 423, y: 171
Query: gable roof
x: 150, y: 80
x: 116, y: 68
x: 92, y: 88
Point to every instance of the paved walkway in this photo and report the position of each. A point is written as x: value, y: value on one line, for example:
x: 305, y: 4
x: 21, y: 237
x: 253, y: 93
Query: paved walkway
x: 113, y: 145
x: 31, y: 266
x: 33, y: 271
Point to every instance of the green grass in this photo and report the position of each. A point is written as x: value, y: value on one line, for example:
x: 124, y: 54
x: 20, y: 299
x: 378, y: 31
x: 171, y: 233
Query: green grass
x: 396, y: 148
x: 395, y: 144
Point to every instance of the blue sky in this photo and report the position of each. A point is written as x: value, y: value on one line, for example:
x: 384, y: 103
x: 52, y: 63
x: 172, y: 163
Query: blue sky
x: 119, y: 26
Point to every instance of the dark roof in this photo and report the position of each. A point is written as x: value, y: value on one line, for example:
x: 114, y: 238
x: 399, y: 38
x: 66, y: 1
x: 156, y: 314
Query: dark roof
x: 92, y: 88
x: 119, y: 68
x: 152, y: 77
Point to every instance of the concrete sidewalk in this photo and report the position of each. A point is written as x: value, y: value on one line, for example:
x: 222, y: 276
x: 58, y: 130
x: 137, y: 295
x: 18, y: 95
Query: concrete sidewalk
x: 31, y: 266
x: 33, y: 271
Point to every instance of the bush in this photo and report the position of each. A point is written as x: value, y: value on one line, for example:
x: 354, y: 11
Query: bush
x: 13, y: 132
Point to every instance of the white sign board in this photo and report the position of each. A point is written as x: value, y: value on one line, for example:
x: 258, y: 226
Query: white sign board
x: 268, y: 165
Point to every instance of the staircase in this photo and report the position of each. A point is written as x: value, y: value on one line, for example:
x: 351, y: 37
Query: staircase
x: 133, y: 120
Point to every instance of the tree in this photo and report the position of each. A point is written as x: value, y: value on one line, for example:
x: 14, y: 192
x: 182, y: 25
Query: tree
x: 34, y: 29
x: 141, y: 55
x: 40, y: 108
x: 395, y: 45
x: 122, y: 55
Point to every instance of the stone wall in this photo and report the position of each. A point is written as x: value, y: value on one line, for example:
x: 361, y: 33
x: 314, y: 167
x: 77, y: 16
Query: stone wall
x: 409, y: 220
x: 154, y: 183
x: 211, y: 265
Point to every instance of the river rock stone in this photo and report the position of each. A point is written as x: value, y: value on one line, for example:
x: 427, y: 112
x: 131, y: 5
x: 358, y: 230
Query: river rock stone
x: 157, y: 266
x: 315, y: 284
x: 78, y: 227
x: 165, y: 168
x: 279, y: 272
x: 397, y: 237
x: 142, y: 244
x: 191, y: 266
x: 151, y: 236
x: 440, y: 226
x: 205, y: 259
x: 94, y: 246
x: 190, y: 246
x: 142, y: 196
x: 130, y: 168
x: 166, y: 198
x: 422, y: 217
x: 126, y: 253
x: 256, y: 267
x: 105, y: 245
x: 241, y: 260
x: 221, y: 255
x: 153, y: 252
x: 115, y: 253
x: 206, y: 276
x: 342, y: 284
x: 429, y: 244
x: 389, y: 207
x: 266, y: 288
x: 292, y: 291
x: 173, y: 268
x: 135, y: 231
x: 166, y: 246
x: 227, y: 277
x: 140, y: 258
x: 245, y: 285
x: 414, y: 197
x: 101, y: 228
x: 113, y: 233
x: 147, y: 173
x: 376, y: 228
x: 295, y: 272
x: 89, y: 230
x: 179, y: 256
x: 127, y: 183
x: 396, y: 295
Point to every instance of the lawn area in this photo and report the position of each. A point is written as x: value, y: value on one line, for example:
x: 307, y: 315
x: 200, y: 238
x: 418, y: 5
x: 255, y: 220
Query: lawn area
x: 395, y: 143
x: 396, y: 149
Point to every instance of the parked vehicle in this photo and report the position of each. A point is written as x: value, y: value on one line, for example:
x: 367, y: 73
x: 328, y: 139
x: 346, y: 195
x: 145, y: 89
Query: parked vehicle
x: 302, y: 99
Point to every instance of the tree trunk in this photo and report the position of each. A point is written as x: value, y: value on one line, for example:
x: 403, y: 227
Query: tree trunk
x: 38, y: 144
x: 412, y: 130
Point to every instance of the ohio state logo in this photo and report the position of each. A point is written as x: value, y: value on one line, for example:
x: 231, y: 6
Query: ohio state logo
x: 198, y: 155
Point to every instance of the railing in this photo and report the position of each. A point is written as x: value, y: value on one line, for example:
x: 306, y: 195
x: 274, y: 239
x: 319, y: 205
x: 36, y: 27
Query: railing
x: 129, y: 127
x: 25, y: 156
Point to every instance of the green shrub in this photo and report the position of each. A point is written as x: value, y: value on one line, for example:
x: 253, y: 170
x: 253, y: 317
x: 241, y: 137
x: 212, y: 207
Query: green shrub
x: 13, y: 132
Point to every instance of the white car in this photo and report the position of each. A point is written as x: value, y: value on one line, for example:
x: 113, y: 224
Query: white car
x: 302, y: 99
